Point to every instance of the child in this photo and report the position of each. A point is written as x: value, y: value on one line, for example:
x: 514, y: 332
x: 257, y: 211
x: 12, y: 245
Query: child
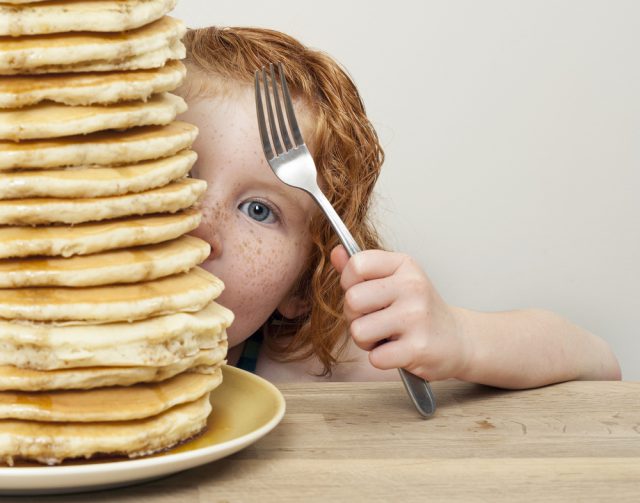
x: 313, y: 312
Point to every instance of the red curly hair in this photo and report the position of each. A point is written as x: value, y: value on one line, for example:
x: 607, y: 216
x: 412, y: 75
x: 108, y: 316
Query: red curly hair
x: 346, y: 151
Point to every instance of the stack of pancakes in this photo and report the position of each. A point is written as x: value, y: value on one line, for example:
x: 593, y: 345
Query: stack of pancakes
x: 110, y: 339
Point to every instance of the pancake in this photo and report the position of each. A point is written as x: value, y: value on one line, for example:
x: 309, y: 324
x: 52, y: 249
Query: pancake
x: 129, y: 265
x: 99, y: 181
x: 154, y: 342
x: 189, y: 292
x: 19, y: 379
x: 133, y: 402
x: 52, y: 120
x: 90, y: 88
x: 105, y: 148
x: 152, y: 59
x: 59, y: 16
x: 96, y: 182
x: 84, y: 239
x: 173, y: 197
x: 51, y: 443
x: 83, y: 51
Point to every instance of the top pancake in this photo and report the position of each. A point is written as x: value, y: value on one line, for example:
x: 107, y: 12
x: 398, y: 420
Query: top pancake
x: 81, y: 15
x: 84, y: 51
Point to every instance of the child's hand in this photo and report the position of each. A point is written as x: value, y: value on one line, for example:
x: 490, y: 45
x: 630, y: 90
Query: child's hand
x: 389, y: 297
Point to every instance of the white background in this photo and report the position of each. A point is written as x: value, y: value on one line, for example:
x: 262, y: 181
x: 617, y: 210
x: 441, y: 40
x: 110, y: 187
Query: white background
x: 512, y: 133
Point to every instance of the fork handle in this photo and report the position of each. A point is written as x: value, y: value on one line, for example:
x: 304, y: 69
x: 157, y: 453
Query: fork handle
x: 417, y: 388
x: 336, y: 222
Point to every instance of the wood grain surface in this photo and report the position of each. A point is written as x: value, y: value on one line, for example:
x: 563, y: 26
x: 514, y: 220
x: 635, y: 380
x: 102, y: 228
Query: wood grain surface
x: 576, y: 441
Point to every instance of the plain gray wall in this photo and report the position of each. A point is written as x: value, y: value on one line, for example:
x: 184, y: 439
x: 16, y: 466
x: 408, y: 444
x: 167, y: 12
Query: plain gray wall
x: 512, y: 133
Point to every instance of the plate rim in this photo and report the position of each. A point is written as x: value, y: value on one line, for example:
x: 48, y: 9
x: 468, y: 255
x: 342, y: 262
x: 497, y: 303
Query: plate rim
x: 17, y: 474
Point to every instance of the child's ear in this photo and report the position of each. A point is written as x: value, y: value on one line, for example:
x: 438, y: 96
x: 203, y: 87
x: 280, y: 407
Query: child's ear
x: 293, y: 306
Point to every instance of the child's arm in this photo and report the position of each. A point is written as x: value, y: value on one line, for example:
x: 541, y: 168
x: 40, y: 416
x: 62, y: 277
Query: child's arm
x: 389, y: 297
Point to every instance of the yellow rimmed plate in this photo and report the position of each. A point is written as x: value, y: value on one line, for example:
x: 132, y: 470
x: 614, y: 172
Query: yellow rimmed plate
x: 245, y: 408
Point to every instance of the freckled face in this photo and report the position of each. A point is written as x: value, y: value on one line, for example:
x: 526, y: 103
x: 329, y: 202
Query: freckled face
x: 256, y: 225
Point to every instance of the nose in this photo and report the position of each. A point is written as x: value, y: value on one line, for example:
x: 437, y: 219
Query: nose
x: 209, y: 232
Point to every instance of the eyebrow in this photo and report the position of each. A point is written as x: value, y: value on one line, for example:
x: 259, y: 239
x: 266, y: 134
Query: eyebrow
x: 284, y: 191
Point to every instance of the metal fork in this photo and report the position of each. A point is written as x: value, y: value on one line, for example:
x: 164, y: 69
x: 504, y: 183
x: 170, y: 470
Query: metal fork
x: 293, y: 164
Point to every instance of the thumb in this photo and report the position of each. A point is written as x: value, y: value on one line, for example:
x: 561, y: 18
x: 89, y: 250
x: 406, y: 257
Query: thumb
x: 339, y: 258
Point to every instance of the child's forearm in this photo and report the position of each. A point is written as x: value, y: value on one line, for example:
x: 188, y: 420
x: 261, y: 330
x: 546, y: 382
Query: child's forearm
x: 530, y: 348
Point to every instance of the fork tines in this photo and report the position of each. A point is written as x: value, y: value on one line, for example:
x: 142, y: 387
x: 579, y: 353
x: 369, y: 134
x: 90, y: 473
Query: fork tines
x: 269, y: 86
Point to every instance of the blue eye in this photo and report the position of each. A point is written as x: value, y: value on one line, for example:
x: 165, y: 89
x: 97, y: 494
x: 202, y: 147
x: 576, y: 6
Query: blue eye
x: 258, y: 211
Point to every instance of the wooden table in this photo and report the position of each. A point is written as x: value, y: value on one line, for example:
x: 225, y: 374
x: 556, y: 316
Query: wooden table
x: 577, y: 441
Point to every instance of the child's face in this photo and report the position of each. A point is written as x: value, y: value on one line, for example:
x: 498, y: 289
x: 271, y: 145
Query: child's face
x: 256, y: 225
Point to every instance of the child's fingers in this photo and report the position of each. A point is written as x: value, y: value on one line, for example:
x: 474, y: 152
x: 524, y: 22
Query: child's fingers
x: 368, y: 265
x: 370, y: 296
x: 367, y: 331
x: 390, y: 355
x: 339, y: 258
